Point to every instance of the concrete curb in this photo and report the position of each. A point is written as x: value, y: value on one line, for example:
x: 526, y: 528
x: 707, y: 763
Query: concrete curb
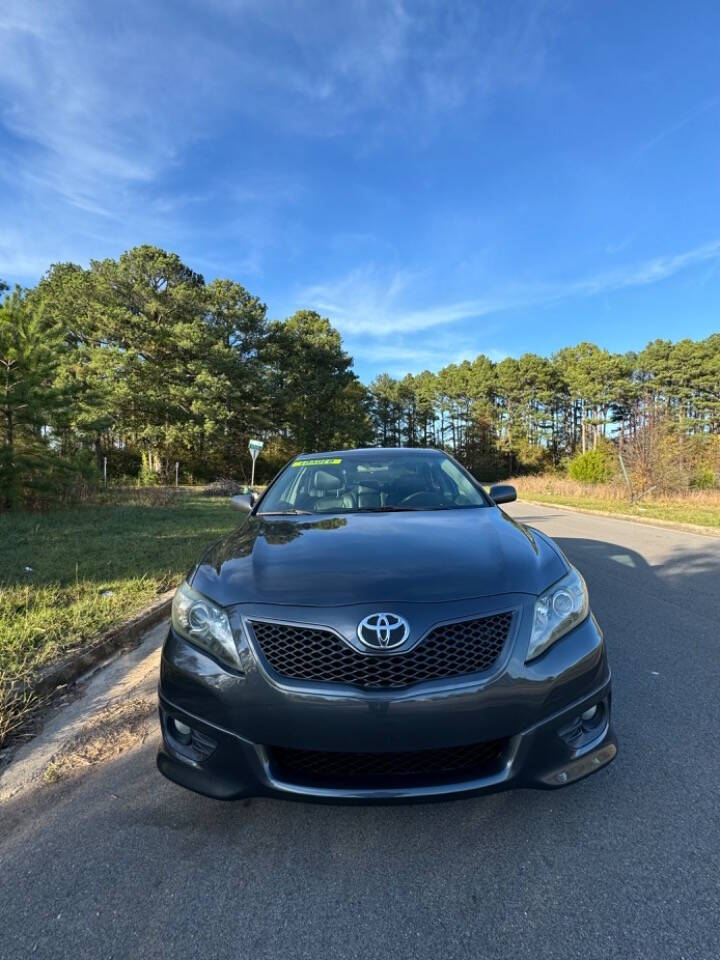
x: 79, y: 662
x: 631, y: 518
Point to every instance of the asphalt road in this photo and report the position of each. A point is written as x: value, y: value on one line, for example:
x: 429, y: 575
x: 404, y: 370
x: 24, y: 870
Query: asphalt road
x: 623, y: 865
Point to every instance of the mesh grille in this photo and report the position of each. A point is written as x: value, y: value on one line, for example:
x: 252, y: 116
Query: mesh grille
x: 450, y: 650
x: 330, y: 766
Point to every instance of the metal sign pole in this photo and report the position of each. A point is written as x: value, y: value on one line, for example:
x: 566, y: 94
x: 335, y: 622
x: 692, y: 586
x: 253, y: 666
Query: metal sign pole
x: 105, y: 470
x: 254, y: 446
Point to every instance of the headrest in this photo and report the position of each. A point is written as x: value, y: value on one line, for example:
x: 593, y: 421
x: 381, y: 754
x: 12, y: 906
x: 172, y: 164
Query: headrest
x: 324, y: 480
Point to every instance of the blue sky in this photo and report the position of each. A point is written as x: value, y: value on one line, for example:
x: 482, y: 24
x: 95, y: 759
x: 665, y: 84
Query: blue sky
x: 440, y: 178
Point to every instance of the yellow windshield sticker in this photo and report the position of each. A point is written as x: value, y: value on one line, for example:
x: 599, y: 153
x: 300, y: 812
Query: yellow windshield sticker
x: 315, y: 463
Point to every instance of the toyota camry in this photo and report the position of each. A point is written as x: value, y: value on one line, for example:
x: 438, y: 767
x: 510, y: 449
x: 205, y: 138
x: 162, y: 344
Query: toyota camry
x: 377, y: 628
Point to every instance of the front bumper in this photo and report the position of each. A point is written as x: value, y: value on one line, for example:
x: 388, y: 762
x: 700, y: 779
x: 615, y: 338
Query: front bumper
x: 532, y: 710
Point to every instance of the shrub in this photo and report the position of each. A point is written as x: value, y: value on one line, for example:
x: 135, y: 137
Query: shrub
x: 595, y: 466
x: 532, y: 458
x: 148, y: 475
x: 704, y: 478
x: 660, y: 458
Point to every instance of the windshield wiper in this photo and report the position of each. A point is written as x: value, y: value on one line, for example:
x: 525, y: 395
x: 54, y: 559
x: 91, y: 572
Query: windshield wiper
x: 285, y: 513
x: 456, y: 506
x: 387, y: 509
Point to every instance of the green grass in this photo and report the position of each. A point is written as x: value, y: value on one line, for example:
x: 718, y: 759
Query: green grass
x: 682, y: 511
x: 92, y: 567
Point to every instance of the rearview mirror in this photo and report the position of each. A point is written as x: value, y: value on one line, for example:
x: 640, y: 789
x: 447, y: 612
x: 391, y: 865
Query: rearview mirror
x: 503, y: 493
x: 243, y: 501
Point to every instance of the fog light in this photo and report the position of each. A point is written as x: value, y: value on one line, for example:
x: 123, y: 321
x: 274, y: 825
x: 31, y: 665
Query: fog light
x: 589, y: 714
x: 181, y: 731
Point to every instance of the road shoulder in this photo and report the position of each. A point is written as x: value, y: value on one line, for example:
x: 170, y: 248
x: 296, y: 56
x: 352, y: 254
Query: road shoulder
x: 129, y: 677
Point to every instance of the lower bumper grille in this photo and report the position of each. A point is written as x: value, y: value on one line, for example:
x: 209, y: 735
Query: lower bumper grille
x: 335, y: 768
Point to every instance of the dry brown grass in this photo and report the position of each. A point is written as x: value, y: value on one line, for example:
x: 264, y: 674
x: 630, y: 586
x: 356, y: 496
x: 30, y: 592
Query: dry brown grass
x: 157, y: 496
x: 112, y: 731
x: 700, y: 507
x: 563, y: 486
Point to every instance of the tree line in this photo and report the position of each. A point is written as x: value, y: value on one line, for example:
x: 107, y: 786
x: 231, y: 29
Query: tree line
x: 140, y: 361
x: 535, y: 412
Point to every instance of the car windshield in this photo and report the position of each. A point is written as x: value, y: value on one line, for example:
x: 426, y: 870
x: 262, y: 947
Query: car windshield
x: 372, y: 482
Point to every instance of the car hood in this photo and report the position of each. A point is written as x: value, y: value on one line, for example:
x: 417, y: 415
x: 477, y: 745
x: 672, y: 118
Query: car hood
x: 424, y: 556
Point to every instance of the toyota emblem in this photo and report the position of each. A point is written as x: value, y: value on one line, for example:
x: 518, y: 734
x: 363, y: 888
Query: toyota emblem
x: 383, y: 631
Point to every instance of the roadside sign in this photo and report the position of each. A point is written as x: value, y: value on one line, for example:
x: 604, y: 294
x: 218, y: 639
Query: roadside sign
x: 254, y: 446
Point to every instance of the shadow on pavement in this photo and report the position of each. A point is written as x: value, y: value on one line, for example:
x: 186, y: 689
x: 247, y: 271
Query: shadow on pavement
x: 688, y: 578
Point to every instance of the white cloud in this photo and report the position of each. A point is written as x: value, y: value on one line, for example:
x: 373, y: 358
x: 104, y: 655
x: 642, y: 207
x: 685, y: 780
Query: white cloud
x: 111, y: 100
x: 367, y: 301
x: 104, y: 108
x: 399, y: 359
x: 676, y: 127
x: 89, y: 104
x: 640, y: 274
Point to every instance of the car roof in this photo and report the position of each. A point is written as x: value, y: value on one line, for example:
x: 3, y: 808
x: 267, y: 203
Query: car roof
x: 372, y: 451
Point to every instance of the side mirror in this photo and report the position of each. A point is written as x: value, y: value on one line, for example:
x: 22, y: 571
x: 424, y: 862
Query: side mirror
x: 503, y: 493
x: 243, y: 501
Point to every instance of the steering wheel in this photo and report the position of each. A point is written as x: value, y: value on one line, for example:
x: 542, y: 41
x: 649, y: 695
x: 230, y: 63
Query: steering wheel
x: 423, y: 498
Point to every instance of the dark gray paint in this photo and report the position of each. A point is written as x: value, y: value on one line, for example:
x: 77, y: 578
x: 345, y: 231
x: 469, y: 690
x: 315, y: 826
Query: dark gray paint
x: 377, y: 558
x: 428, y: 566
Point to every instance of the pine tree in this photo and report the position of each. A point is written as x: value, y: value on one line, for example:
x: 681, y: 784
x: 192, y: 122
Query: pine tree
x: 29, y: 358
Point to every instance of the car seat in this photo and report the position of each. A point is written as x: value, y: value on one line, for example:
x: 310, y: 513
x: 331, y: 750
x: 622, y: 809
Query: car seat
x: 330, y: 493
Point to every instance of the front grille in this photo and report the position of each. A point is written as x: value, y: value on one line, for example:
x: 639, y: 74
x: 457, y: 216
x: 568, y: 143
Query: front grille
x: 387, y: 769
x: 449, y: 650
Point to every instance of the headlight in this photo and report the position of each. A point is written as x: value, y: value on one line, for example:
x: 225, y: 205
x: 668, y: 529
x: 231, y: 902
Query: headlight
x: 203, y: 623
x: 557, y: 611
